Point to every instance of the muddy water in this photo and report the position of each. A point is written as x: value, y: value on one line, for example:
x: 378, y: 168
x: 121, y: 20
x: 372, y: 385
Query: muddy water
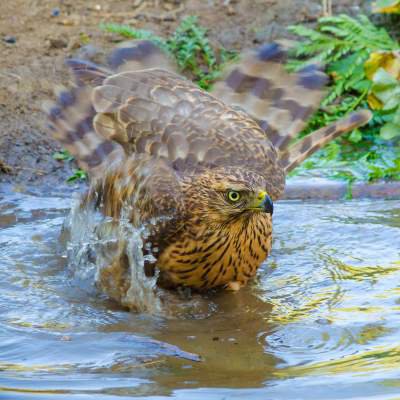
x: 320, y: 321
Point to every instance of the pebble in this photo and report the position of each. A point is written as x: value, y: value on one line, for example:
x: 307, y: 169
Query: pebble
x: 55, y: 12
x: 323, y: 321
x: 10, y: 39
x: 57, y: 43
x: 230, y: 11
x: 5, y: 168
x: 67, y: 22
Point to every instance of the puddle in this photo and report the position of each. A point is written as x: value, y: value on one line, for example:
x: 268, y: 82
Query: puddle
x: 322, y: 319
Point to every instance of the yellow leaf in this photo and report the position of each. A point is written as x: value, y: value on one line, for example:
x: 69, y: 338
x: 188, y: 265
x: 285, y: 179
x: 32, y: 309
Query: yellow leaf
x: 374, y: 102
x: 392, y: 8
x: 388, y: 60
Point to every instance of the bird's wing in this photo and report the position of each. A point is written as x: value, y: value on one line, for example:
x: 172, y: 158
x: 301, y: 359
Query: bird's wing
x: 71, y: 123
x: 134, y: 190
x: 108, y: 117
x: 159, y: 113
x: 71, y: 116
x: 280, y: 101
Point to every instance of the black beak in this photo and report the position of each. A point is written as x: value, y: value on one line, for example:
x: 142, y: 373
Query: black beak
x: 268, y: 205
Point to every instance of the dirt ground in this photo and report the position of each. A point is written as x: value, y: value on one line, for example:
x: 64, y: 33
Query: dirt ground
x: 37, y: 35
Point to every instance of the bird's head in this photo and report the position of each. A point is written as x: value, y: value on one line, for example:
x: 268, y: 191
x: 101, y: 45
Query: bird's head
x: 221, y: 198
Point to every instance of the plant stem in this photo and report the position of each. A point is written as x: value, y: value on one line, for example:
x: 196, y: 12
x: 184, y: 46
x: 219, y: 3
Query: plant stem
x: 358, y: 101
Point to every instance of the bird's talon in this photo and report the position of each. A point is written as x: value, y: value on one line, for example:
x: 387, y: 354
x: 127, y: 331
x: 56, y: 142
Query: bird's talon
x: 233, y: 286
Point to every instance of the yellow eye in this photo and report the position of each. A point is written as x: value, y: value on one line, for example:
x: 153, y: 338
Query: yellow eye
x: 233, y: 196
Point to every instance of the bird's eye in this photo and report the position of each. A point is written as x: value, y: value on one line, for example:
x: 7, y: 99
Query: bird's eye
x: 233, y: 196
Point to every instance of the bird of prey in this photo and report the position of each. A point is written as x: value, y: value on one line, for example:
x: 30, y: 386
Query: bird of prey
x: 200, y: 169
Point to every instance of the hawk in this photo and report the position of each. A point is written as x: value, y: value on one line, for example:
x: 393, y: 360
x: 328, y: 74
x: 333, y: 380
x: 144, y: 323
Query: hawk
x: 200, y: 169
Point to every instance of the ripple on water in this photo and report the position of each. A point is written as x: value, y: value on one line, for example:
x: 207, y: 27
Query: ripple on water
x: 297, y: 339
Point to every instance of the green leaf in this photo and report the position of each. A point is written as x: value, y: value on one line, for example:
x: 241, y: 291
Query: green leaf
x: 132, y: 33
x: 396, y: 116
x: 387, y: 89
x: 390, y: 131
x: 78, y: 175
x: 355, y: 136
x: 63, y: 155
x: 383, y: 80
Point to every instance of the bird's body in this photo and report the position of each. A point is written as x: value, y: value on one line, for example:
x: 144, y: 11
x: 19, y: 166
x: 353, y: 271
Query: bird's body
x: 199, y: 169
x: 198, y: 237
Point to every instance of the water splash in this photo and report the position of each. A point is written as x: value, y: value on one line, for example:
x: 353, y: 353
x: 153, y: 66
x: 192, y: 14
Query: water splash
x: 94, y: 247
x: 95, y: 244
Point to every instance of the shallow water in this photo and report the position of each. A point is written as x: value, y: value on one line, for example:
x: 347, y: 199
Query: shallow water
x: 320, y: 321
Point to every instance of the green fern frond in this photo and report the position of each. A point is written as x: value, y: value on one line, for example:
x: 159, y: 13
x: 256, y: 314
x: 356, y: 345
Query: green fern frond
x: 342, y: 44
x: 132, y: 33
x: 189, y: 45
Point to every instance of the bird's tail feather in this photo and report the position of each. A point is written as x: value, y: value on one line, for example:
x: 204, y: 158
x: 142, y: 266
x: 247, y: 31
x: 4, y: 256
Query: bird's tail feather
x: 71, y: 116
x: 301, y: 150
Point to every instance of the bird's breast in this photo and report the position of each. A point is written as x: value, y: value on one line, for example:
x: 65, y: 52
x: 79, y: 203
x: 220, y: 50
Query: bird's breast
x: 217, y: 257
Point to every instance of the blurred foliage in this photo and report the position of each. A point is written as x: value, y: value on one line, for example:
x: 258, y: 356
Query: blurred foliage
x: 190, y: 47
x: 343, y: 44
x: 387, y: 6
x: 63, y: 155
x: 78, y: 174
x: 383, y: 69
x: 363, y: 63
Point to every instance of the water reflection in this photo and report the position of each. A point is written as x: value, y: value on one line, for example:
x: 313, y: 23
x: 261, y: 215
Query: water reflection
x: 321, y: 320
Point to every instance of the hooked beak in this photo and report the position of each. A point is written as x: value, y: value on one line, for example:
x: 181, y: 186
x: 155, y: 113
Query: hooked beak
x: 263, y: 202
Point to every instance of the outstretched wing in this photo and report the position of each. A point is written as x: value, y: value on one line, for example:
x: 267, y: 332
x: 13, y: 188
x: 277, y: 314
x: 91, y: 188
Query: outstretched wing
x: 71, y: 116
x: 280, y: 101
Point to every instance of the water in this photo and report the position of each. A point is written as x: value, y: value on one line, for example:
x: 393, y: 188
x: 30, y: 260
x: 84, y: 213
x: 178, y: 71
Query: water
x: 322, y: 319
